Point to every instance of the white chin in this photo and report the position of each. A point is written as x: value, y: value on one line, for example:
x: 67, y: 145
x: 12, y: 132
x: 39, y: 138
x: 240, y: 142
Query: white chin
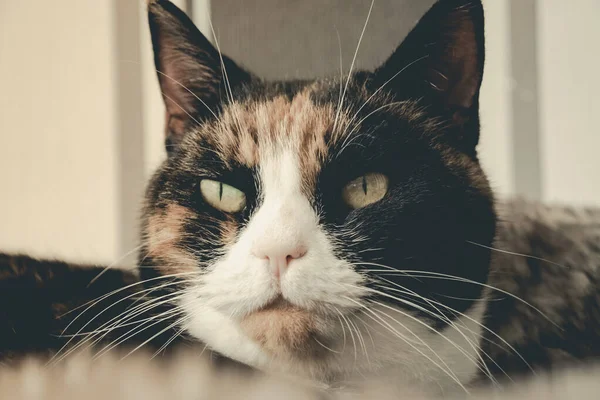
x: 279, y: 335
x: 356, y: 350
x: 223, y: 335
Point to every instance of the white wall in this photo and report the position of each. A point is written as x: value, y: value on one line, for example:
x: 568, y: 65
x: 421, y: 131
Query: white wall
x: 60, y: 172
x: 58, y: 160
x: 569, y: 65
x: 495, y: 147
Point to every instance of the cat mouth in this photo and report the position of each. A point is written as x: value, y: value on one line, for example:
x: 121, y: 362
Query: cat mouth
x: 278, y: 303
x: 281, y: 327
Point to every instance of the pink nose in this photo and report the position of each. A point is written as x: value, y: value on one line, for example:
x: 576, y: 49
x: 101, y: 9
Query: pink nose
x: 280, y: 258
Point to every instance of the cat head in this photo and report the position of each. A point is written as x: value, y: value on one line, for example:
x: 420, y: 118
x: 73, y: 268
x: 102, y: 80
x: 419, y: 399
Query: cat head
x: 295, y: 218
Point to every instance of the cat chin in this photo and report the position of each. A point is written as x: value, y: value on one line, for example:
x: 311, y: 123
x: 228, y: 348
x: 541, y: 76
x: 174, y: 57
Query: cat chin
x: 287, y: 331
x: 385, y: 341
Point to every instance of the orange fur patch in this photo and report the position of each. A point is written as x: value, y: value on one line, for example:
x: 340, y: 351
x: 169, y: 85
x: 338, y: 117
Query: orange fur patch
x: 229, y: 230
x: 281, y: 328
x: 246, y: 131
x: 164, y: 233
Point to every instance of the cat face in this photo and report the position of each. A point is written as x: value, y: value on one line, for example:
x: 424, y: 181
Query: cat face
x: 326, y: 227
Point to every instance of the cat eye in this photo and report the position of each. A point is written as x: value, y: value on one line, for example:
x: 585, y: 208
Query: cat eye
x: 222, y: 196
x: 365, y: 190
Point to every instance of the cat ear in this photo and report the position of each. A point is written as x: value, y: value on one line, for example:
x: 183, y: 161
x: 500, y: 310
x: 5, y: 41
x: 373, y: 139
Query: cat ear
x: 442, y: 59
x: 190, y: 71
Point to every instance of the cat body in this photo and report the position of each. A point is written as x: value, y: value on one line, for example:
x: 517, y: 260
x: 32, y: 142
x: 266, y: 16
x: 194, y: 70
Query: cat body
x: 48, y: 305
x: 341, y: 230
x: 549, y: 302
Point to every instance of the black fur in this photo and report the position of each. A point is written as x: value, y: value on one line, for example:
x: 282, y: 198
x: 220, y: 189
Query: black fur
x: 40, y: 299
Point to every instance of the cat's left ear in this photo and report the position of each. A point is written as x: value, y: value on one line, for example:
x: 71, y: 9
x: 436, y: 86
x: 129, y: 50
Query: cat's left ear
x: 442, y: 60
x: 194, y: 78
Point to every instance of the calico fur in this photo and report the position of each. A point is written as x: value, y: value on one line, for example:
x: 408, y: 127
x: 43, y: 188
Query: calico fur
x: 552, y: 315
x: 291, y: 147
x: 416, y: 288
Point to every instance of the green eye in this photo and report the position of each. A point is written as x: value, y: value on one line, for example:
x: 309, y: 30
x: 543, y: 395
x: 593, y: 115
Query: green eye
x: 222, y: 196
x: 365, y: 190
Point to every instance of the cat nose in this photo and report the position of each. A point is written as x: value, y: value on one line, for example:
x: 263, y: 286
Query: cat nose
x: 280, y: 257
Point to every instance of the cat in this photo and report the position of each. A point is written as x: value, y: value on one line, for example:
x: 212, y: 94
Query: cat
x: 338, y: 230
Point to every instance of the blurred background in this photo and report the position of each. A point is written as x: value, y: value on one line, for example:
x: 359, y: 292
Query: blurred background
x: 81, y: 117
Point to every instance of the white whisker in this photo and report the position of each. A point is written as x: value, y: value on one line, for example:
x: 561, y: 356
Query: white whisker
x: 438, y: 275
x: 512, y: 253
x: 341, y: 102
x: 446, y: 370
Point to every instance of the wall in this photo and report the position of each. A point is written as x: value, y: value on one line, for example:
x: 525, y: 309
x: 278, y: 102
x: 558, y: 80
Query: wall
x: 496, y: 141
x: 58, y: 164
x: 569, y: 62
x: 81, y: 121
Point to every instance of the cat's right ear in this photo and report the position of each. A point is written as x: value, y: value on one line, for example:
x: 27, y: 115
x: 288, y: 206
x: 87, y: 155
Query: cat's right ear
x: 190, y: 70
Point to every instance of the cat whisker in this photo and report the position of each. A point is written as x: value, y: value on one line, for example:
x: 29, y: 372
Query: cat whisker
x: 369, y: 250
x: 349, y: 138
x: 438, y: 275
x: 355, y: 116
x: 345, y: 319
x: 66, y: 345
x: 419, y: 340
x: 473, y: 321
x: 98, y: 299
x: 326, y: 347
x: 171, y: 326
x: 362, y: 340
x: 132, y: 312
x: 121, y: 258
x: 189, y: 91
x: 101, y: 330
x: 181, y: 108
x: 175, y: 81
x: 114, y: 263
x: 141, y: 309
x: 474, y: 359
x: 93, y: 337
x: 480, y: 300
x: 225, y: 75
x: 432, y: 303
x: 439, y: 316
x: 482, y: 367
x: 341, y: 71
x: 160, y: 319
x: 451, y: 324
x: 341, y: 102
x: 152, y: 290
x: 101, y: 333
x: 342, y: 326
x: 410, y: 64
x: 168, y: 342
x: 106, y: 327
x: 101, y: 298
x: 366, y: 329
x: 377, y: 318
x: 512, y: 253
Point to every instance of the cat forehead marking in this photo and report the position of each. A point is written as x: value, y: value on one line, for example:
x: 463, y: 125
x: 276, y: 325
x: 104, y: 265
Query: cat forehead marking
x: 250, y: 133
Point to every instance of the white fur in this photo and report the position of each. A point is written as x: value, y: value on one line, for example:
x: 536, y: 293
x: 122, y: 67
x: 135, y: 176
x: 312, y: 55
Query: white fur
x: 384, y: 340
